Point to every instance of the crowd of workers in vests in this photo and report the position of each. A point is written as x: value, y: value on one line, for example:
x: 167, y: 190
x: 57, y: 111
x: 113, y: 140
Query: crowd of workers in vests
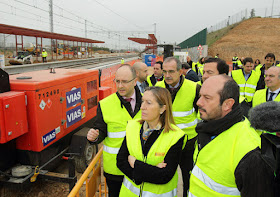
x: 191, y: 115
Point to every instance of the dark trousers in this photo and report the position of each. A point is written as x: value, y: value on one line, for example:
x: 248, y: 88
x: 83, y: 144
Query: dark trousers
x: 186, y: 164
x: 234, y: 66
x: 44, y: 59
x: 114, y: 187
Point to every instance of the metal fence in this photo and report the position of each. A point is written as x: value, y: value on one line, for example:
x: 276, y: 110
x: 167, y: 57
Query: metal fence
x: 194, y: 53
x: 245, y: 14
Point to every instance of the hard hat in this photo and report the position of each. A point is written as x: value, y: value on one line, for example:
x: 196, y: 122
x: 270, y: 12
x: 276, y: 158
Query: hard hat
x: 122, y: 58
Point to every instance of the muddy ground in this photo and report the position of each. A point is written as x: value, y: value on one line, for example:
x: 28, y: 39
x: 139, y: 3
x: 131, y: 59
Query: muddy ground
x: 252, y: 38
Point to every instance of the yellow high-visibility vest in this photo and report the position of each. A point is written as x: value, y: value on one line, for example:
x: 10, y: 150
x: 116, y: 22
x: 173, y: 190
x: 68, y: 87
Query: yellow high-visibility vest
x: 44, y: 54
x: 116, y: 117
x: 260, y: 97
x: 155, y: 156
x: 183, y: 111
x: 149, y: 80
x: 247, y: 88
x: 213, y: 173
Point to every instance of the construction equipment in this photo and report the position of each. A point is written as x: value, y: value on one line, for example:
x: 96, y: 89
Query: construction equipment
x: 32, y: 49
x: 43, y: 119
x: 23, y: 57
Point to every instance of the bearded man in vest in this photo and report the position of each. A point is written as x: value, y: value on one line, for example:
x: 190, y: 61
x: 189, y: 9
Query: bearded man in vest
x: 184, y: 94
x: 227, y: 154
x: 113, y: 112
x: 248, y: 81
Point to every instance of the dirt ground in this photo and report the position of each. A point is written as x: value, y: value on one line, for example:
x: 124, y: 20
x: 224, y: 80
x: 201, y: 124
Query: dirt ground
x: 252, y: 38
x: 42, y: 188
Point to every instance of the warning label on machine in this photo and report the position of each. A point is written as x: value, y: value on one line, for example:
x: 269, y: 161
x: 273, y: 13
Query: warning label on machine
x: 42, y: 104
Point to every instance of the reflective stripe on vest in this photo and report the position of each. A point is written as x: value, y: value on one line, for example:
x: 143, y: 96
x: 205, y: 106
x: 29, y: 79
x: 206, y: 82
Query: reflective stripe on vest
x: 217, y: 161
x: 247, y: 94
x: 247, y: 88
x: 247, y: 85
x: 120, y: 134
x: 184, y: 105
x: 136, y: 191
x: 183, y: 113
x: 110, y: 150
x: 116, y: 118
x: 212, y: 184
x: 186, y: 125
x: 190, y: 194
x: 131, y: 187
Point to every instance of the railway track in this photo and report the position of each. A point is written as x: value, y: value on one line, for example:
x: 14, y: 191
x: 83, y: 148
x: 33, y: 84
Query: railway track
x: 89, y: 63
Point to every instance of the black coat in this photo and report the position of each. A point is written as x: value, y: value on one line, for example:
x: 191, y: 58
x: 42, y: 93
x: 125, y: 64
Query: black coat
x: 143, y: 172
x: 191, y: 75
x: 102, y: 126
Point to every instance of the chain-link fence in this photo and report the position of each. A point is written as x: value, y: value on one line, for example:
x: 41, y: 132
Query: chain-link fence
x: 245, y: 14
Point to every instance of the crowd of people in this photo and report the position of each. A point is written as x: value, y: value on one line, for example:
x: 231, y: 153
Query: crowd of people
x: 191, y: 115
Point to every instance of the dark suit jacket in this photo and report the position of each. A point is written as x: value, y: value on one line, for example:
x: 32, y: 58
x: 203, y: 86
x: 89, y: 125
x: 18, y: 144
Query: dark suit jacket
x: 191, y: 75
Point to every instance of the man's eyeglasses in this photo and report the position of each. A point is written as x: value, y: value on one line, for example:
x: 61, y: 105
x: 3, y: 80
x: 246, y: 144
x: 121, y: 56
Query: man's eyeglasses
x: 168, y: 71
x: 124, y: 82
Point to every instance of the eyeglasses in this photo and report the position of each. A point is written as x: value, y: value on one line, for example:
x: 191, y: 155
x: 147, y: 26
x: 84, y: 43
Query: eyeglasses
x: 168, y: 71
x: 124, y: 82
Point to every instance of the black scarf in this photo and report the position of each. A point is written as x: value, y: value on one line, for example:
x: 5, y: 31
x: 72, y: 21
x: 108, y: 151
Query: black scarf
x: 208, y: 129
x: 174, y: 92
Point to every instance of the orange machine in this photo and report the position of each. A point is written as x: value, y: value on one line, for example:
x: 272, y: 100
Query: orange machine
x: 57, y: 103
x: 43, y: 118
x: 13, y: 119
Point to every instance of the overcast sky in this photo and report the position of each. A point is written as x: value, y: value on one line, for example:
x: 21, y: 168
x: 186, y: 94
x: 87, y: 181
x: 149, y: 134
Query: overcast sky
x: 175, y: 20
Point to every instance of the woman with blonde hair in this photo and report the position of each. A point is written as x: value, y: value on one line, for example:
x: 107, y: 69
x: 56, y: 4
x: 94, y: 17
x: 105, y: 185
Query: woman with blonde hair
x: 151, y: 150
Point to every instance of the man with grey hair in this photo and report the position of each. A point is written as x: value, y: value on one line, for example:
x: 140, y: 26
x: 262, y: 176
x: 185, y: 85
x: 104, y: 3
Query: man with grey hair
x: 112, y: 115
x: 184, y: 95
x: 271, y: 93
x: 141, y: 73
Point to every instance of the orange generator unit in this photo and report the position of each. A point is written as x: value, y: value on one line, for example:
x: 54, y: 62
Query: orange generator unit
x: 43, y: 117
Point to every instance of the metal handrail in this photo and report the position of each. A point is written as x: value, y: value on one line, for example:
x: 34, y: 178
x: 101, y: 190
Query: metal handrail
x: 85, y: 175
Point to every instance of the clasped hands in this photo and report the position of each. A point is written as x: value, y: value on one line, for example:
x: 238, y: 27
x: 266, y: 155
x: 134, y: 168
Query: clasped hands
x: 132, y: 159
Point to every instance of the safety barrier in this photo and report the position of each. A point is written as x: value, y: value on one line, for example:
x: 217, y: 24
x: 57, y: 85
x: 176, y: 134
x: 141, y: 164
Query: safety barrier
x: 108, y: 75
x: 159, y: 58
x: 92, y: 177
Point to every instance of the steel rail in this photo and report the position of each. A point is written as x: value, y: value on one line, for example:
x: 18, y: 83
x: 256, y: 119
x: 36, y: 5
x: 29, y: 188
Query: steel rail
x: 62, y: 64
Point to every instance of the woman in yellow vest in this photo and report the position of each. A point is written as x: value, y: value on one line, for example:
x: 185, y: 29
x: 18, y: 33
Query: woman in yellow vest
x: 150, y: 152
